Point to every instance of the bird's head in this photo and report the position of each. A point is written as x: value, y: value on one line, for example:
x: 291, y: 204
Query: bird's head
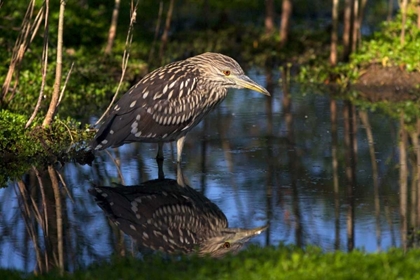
x: 228, y: 240
x: 226, y: 71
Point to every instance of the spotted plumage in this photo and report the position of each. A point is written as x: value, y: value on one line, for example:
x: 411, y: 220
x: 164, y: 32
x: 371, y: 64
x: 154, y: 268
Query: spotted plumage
x: 168, y: 102
x: 162, y: 215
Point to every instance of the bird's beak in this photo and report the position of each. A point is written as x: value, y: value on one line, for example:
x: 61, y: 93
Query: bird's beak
x: 245, y: 82
x: 242, y: 235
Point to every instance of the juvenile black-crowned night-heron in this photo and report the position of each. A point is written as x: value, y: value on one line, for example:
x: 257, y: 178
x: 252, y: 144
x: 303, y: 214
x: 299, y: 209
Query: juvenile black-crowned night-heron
x: 168, y: 102
x: 165, y: 216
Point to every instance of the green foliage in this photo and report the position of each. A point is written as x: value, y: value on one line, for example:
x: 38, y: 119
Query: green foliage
x: 259, y: 263
x: 20, y: 147
x: 14, y: 138
x: 385, y: 47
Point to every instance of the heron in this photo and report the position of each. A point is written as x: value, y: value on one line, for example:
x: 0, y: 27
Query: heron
x: 163, y: 215
x: 170, y: 101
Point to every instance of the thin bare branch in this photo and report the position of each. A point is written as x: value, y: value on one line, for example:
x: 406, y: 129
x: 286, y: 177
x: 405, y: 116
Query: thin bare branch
x: 21, y: 45
x: 117, y: 164
x: 44, y: 200
x: 68, y: 130
x: 59, y: 217
x: 26, y: 214
x: 65, y: 84
x: 65, y: 186
x: 126, y: 56
x: 44, y: 64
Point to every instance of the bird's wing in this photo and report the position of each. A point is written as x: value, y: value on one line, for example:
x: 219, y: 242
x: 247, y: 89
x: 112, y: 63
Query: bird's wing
x: 166, y: 96
x: 156, y: 218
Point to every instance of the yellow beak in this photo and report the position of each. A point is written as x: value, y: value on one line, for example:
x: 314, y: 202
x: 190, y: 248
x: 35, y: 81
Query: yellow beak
x: 245, y: 82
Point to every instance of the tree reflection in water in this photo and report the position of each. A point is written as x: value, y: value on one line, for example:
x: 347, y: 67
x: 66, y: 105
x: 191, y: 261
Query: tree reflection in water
x: 290, y: 161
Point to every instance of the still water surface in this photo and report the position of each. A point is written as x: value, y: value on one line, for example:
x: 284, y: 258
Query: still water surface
x: 261, y: 160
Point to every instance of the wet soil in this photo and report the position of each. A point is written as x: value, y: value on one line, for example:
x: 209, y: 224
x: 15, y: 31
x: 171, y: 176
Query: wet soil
x: 379, y: 83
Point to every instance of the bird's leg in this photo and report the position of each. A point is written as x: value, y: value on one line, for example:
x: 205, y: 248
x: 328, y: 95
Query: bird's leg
x: 159, y: 155
x: 159, y: 161
x: 161, y: 174
x: 180, y: 175
x: 179, y: 146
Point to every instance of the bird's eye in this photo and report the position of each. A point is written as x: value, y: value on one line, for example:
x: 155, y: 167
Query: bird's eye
x: 226, y: 245
x: 226, y: 72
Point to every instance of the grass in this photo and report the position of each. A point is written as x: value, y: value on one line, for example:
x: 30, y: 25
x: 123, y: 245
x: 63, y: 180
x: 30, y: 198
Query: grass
x: 284, y: 262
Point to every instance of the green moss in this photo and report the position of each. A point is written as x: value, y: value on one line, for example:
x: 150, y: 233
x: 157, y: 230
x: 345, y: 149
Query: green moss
x: 22, y: 147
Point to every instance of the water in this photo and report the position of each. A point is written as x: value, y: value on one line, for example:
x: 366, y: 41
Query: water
x: 260, y: 160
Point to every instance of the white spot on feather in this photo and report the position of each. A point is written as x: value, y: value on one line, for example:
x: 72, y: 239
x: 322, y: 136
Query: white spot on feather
x: 170, y: 94
x: 133, y: 103
x: 134, y: 128
x: 145, y: 94
x: 134, y: 207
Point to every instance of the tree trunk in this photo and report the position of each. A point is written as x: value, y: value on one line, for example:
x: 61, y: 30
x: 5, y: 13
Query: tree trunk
x: 355, y: 23
x: 56, y: 91
x: 113, y: 28
x: 404, y: 4
x: 269, y: 16
x: 286, y: 13
x: 390, y: 9
x: 334, y: 36
x: 164, y: 38
x: 359, y: 20
x: 418, y: 14
x: 403, y: 191
x: 348, y: 28
x: 152, y: 48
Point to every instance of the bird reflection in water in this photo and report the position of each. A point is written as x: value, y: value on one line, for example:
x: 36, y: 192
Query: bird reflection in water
x: 170, y: 217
